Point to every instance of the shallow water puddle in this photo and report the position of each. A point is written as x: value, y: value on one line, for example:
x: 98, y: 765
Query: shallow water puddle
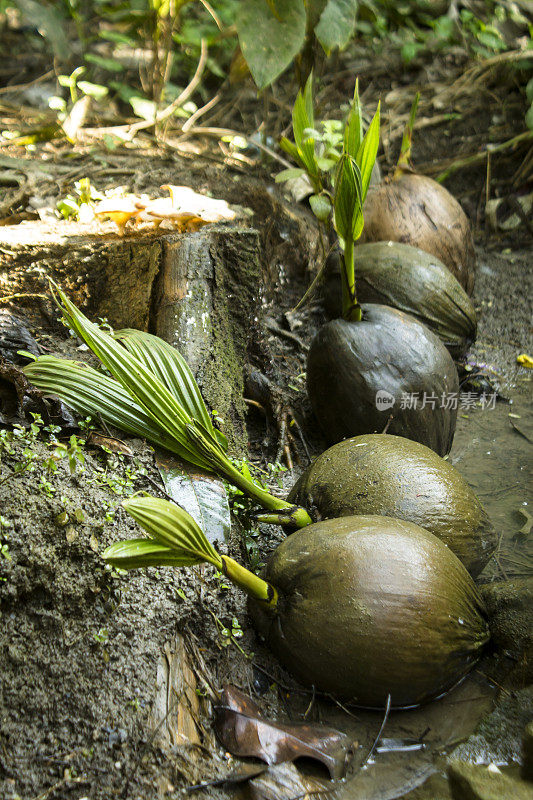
x: 493, y: 451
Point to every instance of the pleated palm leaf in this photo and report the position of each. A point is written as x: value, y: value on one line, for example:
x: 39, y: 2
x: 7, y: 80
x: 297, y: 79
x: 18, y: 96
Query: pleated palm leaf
x: 152, y: 394
x: 175, y: 540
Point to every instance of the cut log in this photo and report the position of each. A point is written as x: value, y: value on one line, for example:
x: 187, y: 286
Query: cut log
x: 197, y: 291
x: 205, y: 301
x: 106, y: 276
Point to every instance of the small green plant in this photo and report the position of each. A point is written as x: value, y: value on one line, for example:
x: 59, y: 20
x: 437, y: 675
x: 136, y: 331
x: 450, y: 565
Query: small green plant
x: 340, y: 177
x: 223, y: 584
x: 77, y: 88
x: 73, y: 451
x: 102, y: 636
x: 46, y: 488
x: 5, y: 524
x: 28, y: 464
x: 119, y: 476
x: 234, y: 631
x: 79, y: 206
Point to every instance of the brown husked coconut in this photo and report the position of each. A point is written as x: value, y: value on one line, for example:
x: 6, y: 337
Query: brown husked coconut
x: 413, y: 281
x: 372, y: 606
x: 395, y: 477
x: 385, y: 370
x: 416, y: 210
x: 366, y: 608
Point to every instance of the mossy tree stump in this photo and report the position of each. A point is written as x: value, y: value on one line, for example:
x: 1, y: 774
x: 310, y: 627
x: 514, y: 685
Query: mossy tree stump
x: 196, y: 290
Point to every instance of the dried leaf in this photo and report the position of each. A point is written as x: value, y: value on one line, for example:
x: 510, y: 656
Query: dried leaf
x: 244, y: 732
x: 108, y: 443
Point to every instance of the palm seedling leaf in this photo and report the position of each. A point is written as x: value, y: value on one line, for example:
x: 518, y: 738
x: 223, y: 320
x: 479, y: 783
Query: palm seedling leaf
x: 169, y: 366
x: 91, y: 393
x: 175, y: 538
x: 150, y: 394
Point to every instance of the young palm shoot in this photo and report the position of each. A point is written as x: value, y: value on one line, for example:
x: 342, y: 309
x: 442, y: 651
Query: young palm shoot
x: 177, y: 541
x: 381, y: 354
x: 351, y: 186
x: 152, y: 393
x: 340, y: 179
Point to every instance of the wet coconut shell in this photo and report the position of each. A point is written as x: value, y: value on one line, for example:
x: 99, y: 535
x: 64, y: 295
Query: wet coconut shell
x: 413, y: 281
x: 395, y: 477
x: 418, y: 211
x: 388, y: 352
x: 370, y: 606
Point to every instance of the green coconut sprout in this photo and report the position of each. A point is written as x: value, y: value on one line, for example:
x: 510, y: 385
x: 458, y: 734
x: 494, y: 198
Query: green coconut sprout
x: 423, y: 626
x: 152, y: 394
x: 407, y: 140
x: 339, y: 179
x: 352, y: 180
x: 175, y: 540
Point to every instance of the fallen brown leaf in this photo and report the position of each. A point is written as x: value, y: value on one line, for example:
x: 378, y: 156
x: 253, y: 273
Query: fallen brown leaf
x: 243, y: 731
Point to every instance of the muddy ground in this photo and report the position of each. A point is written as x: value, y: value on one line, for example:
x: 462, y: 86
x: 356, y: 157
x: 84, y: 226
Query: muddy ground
x: 82, y: 647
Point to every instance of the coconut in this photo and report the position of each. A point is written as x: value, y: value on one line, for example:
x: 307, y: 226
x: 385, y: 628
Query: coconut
x: 370, y: 606
x: 416, y: 210
x: 387, y: 368
x: 395, y: 477
x: 413, y: 281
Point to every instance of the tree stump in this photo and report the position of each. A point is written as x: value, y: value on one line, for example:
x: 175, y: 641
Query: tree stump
x: 198, y: 291
x: 104, y: 275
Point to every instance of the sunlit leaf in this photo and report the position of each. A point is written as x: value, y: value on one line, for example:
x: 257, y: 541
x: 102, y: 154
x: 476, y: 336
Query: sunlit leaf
x: 320, y: 206
x: 366, y: 158
x: 289, y: 174
x: 303, y: 126
x: 353, y: 132
x: 93, y: 89
x: 143, y: 108
x: 348, y: 197
x: 325, y: 164
x: 291, y: 149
